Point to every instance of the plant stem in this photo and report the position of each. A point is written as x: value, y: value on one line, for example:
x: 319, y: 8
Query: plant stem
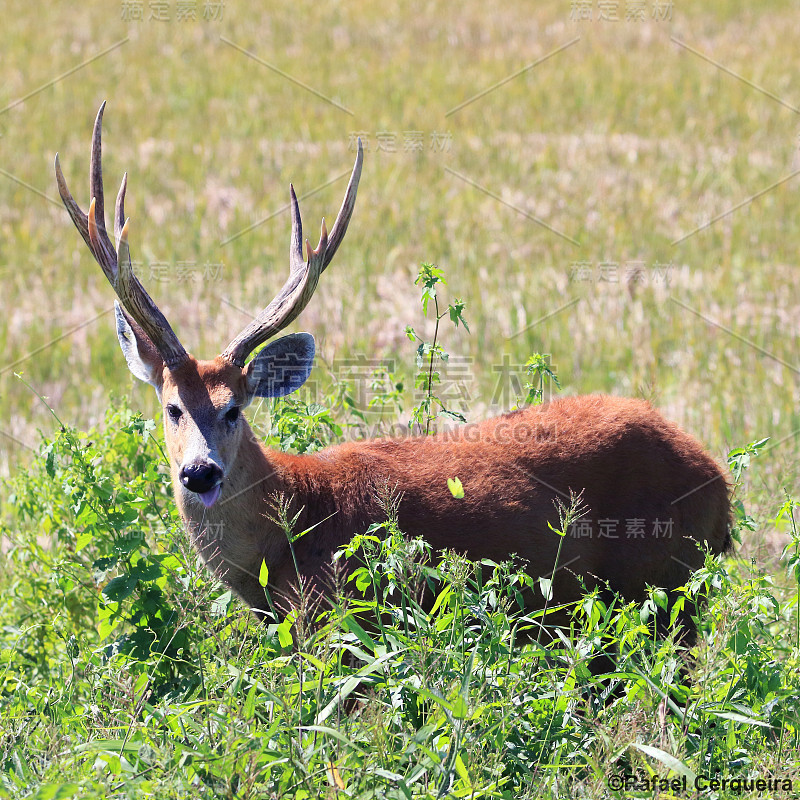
x: 430, y: 368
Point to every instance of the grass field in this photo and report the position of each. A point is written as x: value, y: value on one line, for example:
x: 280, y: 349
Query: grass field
x: 620, y: 194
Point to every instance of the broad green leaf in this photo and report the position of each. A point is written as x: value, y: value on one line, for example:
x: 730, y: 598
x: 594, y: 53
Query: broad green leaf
x: 82, y: 540
x: 263, y: 573
x: 119, y: 588
x: 459, y: 709
x: 285, y: 633
x: 56, y: 791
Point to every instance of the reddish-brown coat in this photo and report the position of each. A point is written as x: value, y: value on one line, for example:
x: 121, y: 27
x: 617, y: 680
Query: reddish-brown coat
x: 636, y: 470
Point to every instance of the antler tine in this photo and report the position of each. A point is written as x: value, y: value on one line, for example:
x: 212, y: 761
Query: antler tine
x: 96, y: 171
x: 78, y: 217
x: 119, y: 210
x: 346, y: 211
x: 116, y: 261
x: 104, y: 251
x: 303, y: 275
x: 296, y: 261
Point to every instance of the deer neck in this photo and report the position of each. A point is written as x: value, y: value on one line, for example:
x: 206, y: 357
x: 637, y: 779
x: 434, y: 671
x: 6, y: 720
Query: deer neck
x: 237, y: 533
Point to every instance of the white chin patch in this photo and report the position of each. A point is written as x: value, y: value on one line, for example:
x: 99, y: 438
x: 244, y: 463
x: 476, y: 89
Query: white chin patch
x: 211, y: 496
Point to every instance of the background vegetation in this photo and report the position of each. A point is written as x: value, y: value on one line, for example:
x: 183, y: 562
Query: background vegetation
x: 124, y: 670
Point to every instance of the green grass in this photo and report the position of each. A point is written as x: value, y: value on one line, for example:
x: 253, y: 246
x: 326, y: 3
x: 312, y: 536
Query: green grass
x: 126, y: 672
x: 624, y: 142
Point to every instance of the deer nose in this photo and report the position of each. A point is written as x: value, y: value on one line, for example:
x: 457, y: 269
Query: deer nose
x: 200, y: 478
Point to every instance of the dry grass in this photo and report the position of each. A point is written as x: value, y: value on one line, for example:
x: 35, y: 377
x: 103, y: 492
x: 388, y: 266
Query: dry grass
x: 625, y: 142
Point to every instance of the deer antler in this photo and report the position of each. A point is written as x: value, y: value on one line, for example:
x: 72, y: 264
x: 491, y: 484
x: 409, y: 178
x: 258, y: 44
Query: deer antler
x: 303, y: 275
x: 116, y: 261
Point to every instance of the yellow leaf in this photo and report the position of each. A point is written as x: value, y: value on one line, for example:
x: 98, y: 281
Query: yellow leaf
x: 455, y: 487
x: 334, y: 777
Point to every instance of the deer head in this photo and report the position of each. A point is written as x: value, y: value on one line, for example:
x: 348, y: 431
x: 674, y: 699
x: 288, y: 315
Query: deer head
x: 203, y: 400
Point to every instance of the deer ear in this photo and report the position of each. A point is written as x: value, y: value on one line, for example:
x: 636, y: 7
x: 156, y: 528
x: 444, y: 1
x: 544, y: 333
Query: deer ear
x: 143, y: 359
x: 282, y: 367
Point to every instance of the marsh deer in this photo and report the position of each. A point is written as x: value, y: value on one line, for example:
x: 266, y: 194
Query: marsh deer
x: 653, y: 497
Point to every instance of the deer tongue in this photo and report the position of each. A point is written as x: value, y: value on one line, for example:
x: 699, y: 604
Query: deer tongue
x: 210, y: 497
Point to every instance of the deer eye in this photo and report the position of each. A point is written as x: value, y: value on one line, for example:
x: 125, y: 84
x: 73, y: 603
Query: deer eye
x: 174, y: 412
x: 232, y: 414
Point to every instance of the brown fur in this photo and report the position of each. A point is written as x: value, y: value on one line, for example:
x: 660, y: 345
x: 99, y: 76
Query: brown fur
x: 629, y: 462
